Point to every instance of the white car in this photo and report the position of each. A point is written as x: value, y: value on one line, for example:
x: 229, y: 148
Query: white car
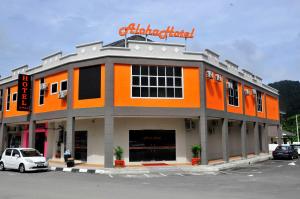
x: 23, y: 159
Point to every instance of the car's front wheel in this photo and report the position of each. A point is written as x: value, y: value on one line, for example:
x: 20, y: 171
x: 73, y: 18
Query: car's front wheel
x: 22, y: 168
x: 2, y: 168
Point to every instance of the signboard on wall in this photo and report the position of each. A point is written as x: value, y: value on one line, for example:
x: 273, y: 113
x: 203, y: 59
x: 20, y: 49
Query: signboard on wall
x: 24, y: 92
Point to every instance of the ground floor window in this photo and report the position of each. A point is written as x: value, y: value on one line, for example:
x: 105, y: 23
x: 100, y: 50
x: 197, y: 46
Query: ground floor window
x: 81, y: 145
x: 152, y: 145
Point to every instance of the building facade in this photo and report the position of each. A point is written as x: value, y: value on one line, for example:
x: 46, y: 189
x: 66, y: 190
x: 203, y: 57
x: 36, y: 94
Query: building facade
x: 155, y: 100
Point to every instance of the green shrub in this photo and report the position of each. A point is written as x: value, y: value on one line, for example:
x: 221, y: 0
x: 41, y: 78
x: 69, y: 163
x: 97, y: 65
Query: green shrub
x: 196, y: 150
x: 119, y: 153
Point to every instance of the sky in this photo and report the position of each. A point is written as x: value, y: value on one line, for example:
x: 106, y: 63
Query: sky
x: 262, y: 36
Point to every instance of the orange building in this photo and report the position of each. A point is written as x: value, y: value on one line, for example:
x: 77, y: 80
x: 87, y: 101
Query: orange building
x: 153, y: 99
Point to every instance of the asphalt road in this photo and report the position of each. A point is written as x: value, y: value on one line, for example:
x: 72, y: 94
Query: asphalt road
x: 270, y: 179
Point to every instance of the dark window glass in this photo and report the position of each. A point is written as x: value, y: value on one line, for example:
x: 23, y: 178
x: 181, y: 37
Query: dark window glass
x: 144, y: 70
x: 177, y: 71
x: 153, y: 70
x: 135, y: 81
x: 144, y: 92
x: 136, y: 92
x: 169, y: 81
x: 152, y: 81
x: 169, y: 71
x: 64, y: 86
x: 89, y: 82
x: 161, y: 71
x: 41, y: 100
x: 135, y: 70
x: 178, y: 92
x: 153, y: 92
x: 15, y: 152
x: 8, y: 99
x: 161, y: 81
x: 170, y: 92
x: 233, y: 97
x: 14, y: 98
x: 8, y: 152
x: 144, y: 81
x: 54, y: 88
x: 161, y: 92
x: 42, y: 93
x: 177, y: 81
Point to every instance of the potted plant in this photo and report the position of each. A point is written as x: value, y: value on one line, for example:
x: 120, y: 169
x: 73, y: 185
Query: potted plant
x: 119, y: 154
x: 196, y: 150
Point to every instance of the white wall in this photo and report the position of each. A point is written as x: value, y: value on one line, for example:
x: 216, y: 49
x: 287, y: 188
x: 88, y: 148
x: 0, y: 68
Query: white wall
x: 123, y: 125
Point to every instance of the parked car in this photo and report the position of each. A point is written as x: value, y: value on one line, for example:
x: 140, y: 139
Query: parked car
x: 297, y: 147
x: 285, y: 152
x: 23, y: 159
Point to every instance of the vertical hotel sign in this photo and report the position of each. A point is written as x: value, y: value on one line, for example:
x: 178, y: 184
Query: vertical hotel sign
x: 24, y: 92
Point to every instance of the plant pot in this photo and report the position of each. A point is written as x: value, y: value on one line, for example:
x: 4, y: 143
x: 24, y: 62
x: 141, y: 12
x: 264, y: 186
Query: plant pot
x: 196, y: 161
x: 119, y: 163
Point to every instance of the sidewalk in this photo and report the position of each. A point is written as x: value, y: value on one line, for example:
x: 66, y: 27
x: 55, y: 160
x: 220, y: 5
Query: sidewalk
x: 169, y: 169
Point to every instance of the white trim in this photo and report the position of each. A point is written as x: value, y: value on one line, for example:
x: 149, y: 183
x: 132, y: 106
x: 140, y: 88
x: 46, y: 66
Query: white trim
x: 53, y: 93
x: 65, y: 80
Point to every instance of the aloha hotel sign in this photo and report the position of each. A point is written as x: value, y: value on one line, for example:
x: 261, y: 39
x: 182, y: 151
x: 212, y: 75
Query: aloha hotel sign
x: 162, y: 34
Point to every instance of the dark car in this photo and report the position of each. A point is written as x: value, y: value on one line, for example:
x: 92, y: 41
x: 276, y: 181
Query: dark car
x: 285, y: 152
x: 297, y: 147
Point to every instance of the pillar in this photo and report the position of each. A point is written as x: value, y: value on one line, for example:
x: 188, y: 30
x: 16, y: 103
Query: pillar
x: 31, y: 136
x: 279, y: 135
x: 266, y: 138
x: 3, y: 134
x: 256, y: 139
x: 108, y: 141
x: 203, y: 137
x: 70, y: 135
x: 225, y: 141
x: 244, y: 140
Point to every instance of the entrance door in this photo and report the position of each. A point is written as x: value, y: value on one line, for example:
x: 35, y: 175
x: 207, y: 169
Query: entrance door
x: 40, y: 139
x: 81, y: 145
x: 152, y: 145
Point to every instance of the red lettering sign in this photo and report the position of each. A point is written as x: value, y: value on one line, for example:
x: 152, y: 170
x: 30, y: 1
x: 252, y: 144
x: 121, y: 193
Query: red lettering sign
x: 24, y: 92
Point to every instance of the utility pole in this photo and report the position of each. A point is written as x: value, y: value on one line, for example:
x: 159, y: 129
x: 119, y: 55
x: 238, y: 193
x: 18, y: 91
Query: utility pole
x: 297, y: 128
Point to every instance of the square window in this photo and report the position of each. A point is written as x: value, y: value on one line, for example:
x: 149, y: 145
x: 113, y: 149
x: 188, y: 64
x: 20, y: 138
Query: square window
x: 144, y: 81
x: 153, y: 70
x: 144, y: 70
x: 64, y: 85
x: 135, y: 70
x: 161, y: 92
x: 177, y: 71
x: 169, y: 71
x: 153, y: 81
x: 54, y: 88
x: 135, y: 80
x: 178, y: 92
x: 144, y: 92
x: 169, y: 81
x: 136, y: 92
x: 161, y: 71
x: 170, y: 92
x: 161, y: 81
x: 177, y: 81
x: 153, y: 92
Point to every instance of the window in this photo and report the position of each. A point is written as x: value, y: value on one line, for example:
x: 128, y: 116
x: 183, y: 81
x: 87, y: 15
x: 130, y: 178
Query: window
x: 259, y: 101
x: 42, y: 93
x: 14, y: 97
x: 233, y: 94
x: 89, y: 82
x: 54, y: 88
x: 1, y: 99
x: 64, y: 85
x: 15, y: 152
x: 8, y: 100
x: 8, y: 152
x: 156, y: 81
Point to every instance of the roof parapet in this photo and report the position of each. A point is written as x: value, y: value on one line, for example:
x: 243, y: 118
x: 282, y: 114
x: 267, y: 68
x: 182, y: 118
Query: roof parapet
x: 19, y: 70
x: 231, y: 64
x: 89, y: 47
x: 52, y: 58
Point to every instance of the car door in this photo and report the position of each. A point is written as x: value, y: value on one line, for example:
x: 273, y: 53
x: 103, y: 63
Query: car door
x: 7, y: 158
x: 15, y: 159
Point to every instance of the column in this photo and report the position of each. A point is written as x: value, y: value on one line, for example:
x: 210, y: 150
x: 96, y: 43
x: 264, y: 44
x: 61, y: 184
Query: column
x: 3, y: 134
x: 108, y: 141
x: 244, y: 140
x: 280, y: 142
x: 266, y: 138
x: 256, y: 139
x: 225, y: 141
x: 203, y: 137
x: 31, y: 136
x: 70, y: 135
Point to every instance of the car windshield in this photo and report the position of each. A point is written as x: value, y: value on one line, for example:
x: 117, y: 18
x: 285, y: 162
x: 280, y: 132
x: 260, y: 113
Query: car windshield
x: 282, y: 148
x: 296, y: 146
x: 30, y: 153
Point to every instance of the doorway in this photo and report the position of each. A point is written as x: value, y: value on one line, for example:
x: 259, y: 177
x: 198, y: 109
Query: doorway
x: 40, y: 139
x: 81, y: 145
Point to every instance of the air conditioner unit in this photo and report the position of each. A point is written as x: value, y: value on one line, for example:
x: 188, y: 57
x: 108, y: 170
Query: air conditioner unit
x: 218, y: 77
x: 189, y: 124
x: 62, y: 94
x: 229, y: 85
x: 44, y: 86
x: 209, y: 74
x: 247, y: 92
x: 254, y: 92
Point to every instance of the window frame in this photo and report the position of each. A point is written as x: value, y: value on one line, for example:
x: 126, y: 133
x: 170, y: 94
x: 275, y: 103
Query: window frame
x: 51, y: 91
x: 61, y: 82
x: 40, y: 90
x: 234, y: 97
x: 165, y: 76
x: 258, y: 93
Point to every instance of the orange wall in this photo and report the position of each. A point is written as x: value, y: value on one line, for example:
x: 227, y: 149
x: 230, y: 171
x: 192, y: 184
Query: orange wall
x: 236, y: 109
x: 51, y: 103
x: 122, y: 96
x: 262, y: 114
x: 272, y: 107
x: 13, y: 105
x: 250, y: 102
x: 214, y: 94
x: 88, y: 103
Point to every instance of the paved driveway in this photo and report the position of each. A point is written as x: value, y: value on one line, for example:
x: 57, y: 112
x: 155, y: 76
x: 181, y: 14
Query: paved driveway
x: 270, y: 179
